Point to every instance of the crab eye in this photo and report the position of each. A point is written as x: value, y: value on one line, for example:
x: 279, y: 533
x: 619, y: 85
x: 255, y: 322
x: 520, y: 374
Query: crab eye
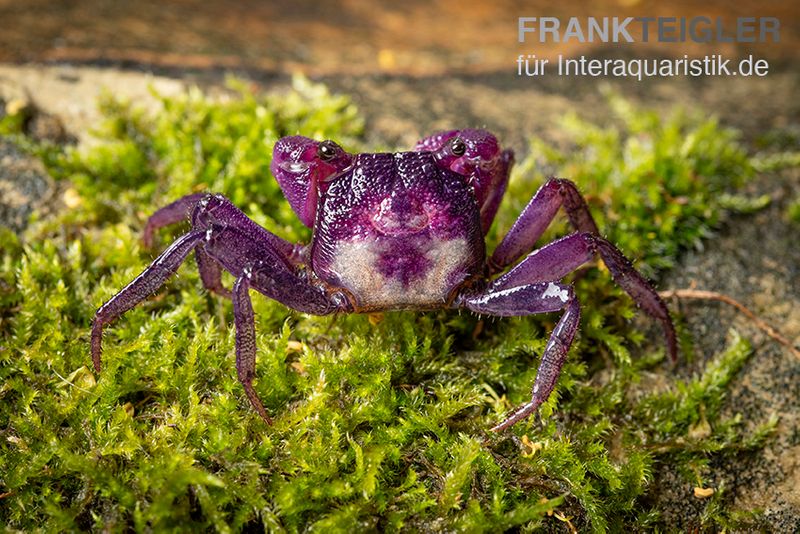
x: 458, y: 147
x: 327, y: 150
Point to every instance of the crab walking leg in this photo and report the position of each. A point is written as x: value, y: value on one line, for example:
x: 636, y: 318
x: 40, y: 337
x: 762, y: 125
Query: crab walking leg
x: 259, y: 267
x: 538, y: 215
x: 172, y: 213
x: 559, y: 258
x: 216, y: 210
x: 204, y: 210
x: 182, y: 210
x: 269, y: 272
x: 254, y: 262
x: 141, y: 287
x: 210, y: 273
x: 246, y: 341
x: 529, y: 300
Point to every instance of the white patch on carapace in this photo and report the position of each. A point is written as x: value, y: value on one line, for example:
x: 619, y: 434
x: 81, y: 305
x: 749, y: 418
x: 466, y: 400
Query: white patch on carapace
x: 555, y: 291
x: 356, y: 264
x: 294, y: 167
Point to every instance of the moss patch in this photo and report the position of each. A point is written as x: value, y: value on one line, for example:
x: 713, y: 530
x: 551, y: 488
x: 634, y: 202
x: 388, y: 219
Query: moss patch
x: 377, y: 426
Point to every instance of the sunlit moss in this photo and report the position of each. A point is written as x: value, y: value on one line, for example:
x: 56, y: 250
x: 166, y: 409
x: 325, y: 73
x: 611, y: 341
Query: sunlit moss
x: 377, y: 427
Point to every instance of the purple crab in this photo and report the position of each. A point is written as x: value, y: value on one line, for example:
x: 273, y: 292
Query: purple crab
x: 392, y: 231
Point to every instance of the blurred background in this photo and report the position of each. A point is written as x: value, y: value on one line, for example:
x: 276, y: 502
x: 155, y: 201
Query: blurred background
x: 411, y: 67
x: 353, y: 36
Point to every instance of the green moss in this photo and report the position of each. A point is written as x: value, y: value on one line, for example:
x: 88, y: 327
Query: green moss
x: 377, y: 427
x: 13, y: 118
x: 653, y: 183
x: 794, y: 210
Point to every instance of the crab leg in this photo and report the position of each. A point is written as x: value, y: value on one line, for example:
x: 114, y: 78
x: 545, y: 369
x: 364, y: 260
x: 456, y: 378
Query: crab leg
x: 531, y: 299
x: 559, y: 258
x: 256, y: 265
x: 538, y: 215
x: 210, y: 273
x: 268, y: 270
x: 246, y: 341
x: 528, y: 289
x: 204, y: 209
x: 253, y: 260
x: 172, y: 213
x: 141, y: 287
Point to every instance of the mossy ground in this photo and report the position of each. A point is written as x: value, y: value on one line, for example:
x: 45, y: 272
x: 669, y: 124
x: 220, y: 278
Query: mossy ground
x: 379, y: 425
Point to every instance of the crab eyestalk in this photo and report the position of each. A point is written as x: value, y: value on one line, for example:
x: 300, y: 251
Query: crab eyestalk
x: 303, y: 167
x: 476, y: 155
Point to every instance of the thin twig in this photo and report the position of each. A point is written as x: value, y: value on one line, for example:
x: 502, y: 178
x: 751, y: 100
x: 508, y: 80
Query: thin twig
x: 70, y: 383
x: 713, y: 295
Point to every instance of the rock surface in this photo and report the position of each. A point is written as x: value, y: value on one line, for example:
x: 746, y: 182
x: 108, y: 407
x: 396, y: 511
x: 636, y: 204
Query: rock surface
x: 25, y: 186
x: 754, y: 259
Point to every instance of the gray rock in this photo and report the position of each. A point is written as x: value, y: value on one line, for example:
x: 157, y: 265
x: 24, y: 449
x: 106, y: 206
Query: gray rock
x: 24, y: 186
